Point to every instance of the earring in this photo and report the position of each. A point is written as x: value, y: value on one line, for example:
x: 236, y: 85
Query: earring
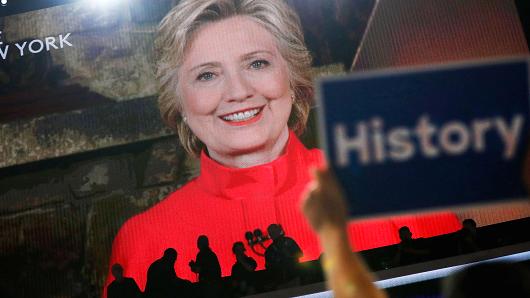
x: 185, y: 119
x: 292, y: 98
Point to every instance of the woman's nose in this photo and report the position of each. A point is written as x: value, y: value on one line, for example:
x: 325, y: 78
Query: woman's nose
x: 238, y: 87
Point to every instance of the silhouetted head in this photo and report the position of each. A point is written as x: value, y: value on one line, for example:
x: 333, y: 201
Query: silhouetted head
x: 275, y: 231
x: 469, y: 224
x: 488, y: 280
x: 202, y: 242
x: 405, y: 234
x: 117, y: 271
x: 238, y: 248
x: 170, y: 255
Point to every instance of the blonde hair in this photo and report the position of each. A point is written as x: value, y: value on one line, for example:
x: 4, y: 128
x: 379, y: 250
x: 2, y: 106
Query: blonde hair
x: 176, y: 32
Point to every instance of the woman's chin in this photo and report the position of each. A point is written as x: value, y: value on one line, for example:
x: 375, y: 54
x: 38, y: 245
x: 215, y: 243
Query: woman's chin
x: 245, y: 147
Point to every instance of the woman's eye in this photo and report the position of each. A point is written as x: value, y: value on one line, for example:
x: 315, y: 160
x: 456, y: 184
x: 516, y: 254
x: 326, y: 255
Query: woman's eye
x: 259, y: 64
x: 205, y: 76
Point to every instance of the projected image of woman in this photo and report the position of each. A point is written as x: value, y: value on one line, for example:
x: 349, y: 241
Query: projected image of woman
x: 236, y: 87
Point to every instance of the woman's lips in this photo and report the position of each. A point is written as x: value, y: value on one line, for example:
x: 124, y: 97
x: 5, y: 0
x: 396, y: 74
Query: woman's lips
x: 243, y: 117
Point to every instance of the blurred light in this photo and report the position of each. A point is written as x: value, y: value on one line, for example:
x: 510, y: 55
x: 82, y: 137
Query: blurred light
x: 103, y: 4
x: 429, y: 275
x: 3, y: 2
x: 443, y: 272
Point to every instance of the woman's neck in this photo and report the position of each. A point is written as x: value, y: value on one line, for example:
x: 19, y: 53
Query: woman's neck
x: 268, y: 153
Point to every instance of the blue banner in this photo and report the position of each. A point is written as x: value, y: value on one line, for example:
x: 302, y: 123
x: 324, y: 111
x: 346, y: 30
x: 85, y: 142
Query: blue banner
x: 427, y: 138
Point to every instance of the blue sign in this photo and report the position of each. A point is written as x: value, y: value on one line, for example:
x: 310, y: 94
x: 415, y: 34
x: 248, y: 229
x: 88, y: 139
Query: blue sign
x: 427, y: 138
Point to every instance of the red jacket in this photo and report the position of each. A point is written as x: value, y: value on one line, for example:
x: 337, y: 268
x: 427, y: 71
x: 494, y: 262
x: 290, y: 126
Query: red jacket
x: 223, y: 203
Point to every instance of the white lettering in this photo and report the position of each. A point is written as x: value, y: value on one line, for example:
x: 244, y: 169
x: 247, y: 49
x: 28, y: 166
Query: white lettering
x: 344, y: 144
x: 509, y: 136
x: 372, y: 143
x: 41, y: 46
x: 425, y: 131
x: 378, y: 139
x: 3, y: 52
x: 480, y: 127
x: 450, y: 145
x: 21, y: 48
x: 64, y: 40
x: 36, y: 46
x: 401, y: 148
x: 50, y: 41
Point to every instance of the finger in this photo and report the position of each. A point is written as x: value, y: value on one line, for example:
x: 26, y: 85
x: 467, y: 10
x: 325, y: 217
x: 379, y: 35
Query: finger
x: 324, y: 178
x: 315, y: 182
x: 320, y: 174
x: 312, y: 187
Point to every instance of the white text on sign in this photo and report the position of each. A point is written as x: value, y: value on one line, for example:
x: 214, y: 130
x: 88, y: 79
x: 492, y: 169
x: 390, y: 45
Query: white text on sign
x: 373, y: 143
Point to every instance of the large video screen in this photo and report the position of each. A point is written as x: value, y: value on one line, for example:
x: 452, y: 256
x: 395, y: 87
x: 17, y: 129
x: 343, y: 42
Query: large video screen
x: 130, y: 129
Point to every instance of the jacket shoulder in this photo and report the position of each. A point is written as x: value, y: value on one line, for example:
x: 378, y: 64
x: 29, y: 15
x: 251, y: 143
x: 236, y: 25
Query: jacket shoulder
x: 143, y: 223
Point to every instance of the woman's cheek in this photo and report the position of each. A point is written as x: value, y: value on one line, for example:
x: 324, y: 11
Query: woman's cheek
x: 273, y: 87
x: 200, y: 102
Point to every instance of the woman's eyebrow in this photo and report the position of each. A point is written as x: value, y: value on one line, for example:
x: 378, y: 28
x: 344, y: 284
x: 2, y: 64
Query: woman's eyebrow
x: 254, y: 53
x: 206, y: 64
x: 244, y: 57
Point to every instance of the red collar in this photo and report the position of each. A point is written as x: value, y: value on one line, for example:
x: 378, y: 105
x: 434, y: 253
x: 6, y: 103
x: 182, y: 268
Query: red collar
x: 262, y: 181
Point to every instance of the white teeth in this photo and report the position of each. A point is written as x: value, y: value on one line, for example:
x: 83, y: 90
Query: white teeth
x: 242, y: 116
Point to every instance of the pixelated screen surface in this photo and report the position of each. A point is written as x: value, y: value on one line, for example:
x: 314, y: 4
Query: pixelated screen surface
x: 86, y: 160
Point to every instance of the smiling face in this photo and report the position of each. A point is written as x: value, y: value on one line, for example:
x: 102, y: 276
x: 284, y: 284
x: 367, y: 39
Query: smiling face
x: 235, y: 92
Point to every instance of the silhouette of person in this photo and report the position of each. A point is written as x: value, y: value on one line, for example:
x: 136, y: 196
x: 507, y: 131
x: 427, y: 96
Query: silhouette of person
x: 282, y: 255
x: 409, y: 250
x: 122, y: 287
x: 207, y: 266
x: 206, y: 263
x: 242, y: 278
x: 467, y: 237
x: 405, y: 235
x: 162, y: 280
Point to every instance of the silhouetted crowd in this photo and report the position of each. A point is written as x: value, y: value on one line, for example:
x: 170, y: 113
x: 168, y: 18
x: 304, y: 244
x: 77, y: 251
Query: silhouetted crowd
x: 281, y: 263
x: 283, y: 268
